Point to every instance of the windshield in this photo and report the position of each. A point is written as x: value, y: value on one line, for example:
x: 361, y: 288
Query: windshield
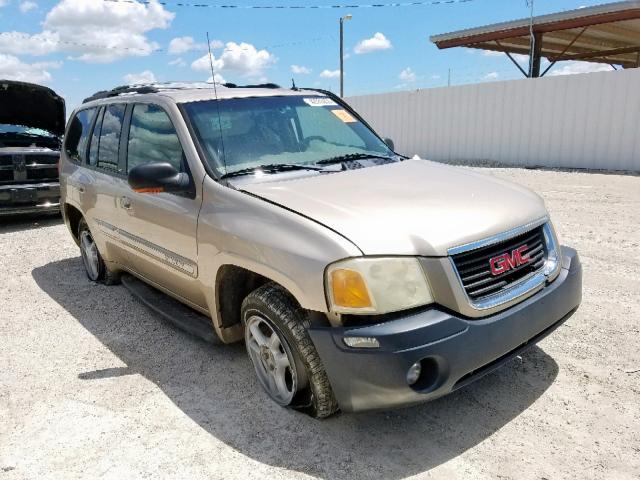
x: 258, y: 131
x: 22, y: 130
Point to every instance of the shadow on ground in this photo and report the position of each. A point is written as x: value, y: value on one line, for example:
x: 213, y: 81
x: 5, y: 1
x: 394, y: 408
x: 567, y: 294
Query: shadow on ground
x: 214, y: 385
x: 18, y: 223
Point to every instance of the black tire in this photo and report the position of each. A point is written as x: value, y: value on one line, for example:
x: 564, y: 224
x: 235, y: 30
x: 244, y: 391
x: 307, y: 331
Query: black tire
x: 314, y: 396
x: 102, y: 273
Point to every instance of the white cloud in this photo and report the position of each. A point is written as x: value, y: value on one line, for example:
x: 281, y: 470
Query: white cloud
x: 143, y: 77
x: 17, y: 43
x: 491, y: 76
x: 4, y: 3
x: 219, y: 79
x: 27, y: 6
x: 572, y: 68
x: 242, y: 58
x: 300, y: 70
x: 181, y: 45
x: 12, y: 68
x: 407, y: 75
x: 93, y: 30
x: 330, y: 73
x: 215, y: 44
x: 373, y: 44
x: 178, y: 62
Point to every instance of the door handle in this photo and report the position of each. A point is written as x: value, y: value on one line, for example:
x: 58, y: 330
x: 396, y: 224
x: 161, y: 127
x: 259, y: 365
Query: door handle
x: 81, y: 189
x: 125, y: 202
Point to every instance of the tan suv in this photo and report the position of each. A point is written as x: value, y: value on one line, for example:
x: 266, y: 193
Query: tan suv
x: 357, y: 278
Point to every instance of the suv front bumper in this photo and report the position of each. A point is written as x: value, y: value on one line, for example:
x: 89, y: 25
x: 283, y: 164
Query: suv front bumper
x: 453, y: 351
x: 18, y: 199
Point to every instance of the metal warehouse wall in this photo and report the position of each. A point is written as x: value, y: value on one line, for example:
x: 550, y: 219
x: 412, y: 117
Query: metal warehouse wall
x: 580, y: 121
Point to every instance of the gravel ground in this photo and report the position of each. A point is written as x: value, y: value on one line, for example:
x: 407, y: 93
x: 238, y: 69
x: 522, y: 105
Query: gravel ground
x: 93, y: 385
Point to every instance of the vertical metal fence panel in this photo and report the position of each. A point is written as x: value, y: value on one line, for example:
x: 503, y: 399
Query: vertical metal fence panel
x: 575, y: 121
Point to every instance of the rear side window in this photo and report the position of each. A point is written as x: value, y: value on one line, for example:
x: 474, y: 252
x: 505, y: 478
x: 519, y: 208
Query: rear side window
x: 78, y: 135
x: 152, y: 138
x: 110, y: 137
x: 95, y: 140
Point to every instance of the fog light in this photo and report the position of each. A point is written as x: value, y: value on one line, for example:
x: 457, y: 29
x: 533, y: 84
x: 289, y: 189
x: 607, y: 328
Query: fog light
x: 413, y: 374
x: 361, y: 342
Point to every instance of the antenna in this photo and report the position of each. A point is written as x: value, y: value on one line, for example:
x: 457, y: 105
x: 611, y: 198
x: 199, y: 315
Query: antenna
x: 215, y: 91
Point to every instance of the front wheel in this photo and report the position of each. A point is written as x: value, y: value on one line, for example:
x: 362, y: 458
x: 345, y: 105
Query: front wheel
x: 285, y: 360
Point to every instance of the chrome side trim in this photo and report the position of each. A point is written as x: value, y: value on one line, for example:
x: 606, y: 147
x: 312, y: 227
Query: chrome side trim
x: 501, y: 237
x: 163, y: 255
x: 528, y: 285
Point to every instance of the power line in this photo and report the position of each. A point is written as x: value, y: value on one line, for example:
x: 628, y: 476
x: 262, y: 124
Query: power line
x: 77, y: 44
x: 293, y: 7
x: 47, y: 41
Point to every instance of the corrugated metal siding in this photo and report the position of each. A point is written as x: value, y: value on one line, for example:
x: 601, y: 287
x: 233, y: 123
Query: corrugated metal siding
x: 582, y: 121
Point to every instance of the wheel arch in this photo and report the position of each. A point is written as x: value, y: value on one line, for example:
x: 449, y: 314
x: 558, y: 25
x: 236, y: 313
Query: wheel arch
x: 72, y: 217
x: 232, y: 285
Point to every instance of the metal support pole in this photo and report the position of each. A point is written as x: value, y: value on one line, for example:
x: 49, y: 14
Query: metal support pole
x: 536, y: 55
x: 341, y: 58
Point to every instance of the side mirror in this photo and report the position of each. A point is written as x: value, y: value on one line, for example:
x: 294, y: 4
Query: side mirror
x: 157, y: 177
x: 390, y: 144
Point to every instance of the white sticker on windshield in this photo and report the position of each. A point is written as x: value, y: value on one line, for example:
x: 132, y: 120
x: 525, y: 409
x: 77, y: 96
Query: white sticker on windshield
x: 319, y: 102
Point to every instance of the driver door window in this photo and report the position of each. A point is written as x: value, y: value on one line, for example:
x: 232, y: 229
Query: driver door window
x: 153, y: 138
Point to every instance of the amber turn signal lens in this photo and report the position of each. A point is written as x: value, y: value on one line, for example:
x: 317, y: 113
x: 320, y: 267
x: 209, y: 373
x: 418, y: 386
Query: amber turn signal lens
x: 149, y: 190
x: 349, y: 289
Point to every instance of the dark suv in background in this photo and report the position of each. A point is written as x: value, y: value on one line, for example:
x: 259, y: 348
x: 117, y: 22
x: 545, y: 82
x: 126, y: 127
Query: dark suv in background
x: 32, y: 122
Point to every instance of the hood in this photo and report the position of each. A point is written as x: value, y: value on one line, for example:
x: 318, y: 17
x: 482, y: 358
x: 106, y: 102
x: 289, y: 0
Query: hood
x: 31, y: 105
x: 414, y: 207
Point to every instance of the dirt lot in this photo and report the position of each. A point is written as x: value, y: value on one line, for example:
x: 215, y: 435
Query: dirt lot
x: 93, y: 385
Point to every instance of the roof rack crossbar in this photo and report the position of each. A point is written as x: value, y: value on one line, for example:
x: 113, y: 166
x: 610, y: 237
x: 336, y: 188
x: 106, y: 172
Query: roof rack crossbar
x: 120, y: 91
x: 258, y: 85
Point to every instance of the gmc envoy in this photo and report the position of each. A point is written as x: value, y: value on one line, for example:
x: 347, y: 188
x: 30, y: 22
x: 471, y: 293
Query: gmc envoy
x: 357, y: 278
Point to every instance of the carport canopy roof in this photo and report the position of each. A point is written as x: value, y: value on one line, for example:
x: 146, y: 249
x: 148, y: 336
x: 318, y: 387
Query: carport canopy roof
x: 607, y: 33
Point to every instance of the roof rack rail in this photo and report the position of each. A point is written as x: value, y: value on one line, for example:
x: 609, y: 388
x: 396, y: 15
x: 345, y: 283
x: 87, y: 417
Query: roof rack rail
x: 259, y: 85
x: 114, y: 92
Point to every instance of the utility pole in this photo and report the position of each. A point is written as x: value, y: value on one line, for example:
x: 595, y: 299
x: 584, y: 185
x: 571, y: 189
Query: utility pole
x: 342, y: 20
x: 534, y: 48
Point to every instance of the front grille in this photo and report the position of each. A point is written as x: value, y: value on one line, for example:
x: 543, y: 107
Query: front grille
x: 474, y: 268
x: 42, y: 174
x: 6, y: 168
x: 28, y: 168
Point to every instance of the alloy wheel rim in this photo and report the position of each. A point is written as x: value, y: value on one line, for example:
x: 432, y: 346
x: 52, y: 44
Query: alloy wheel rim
x: 271, y: 359
x: 90, y: 257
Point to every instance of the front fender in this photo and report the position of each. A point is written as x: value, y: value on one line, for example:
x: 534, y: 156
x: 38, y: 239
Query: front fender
x: 235, y: 228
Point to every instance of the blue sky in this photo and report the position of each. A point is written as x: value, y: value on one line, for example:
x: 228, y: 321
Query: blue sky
x: 80, y: 46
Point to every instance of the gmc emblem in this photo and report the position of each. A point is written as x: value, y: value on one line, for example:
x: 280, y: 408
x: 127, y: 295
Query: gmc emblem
x: 506, y: 261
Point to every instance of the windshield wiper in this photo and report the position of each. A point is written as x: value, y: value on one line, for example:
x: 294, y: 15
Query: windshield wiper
x: 271, y: 168
x: 353, y: 156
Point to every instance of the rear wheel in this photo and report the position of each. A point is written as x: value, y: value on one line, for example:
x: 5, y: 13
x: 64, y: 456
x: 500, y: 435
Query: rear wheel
x: 285, y: 360
x: 94, y: 265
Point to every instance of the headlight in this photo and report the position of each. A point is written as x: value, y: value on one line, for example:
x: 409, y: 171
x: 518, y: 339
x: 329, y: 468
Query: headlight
x: 553, y: 263
x: 376, y: 285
